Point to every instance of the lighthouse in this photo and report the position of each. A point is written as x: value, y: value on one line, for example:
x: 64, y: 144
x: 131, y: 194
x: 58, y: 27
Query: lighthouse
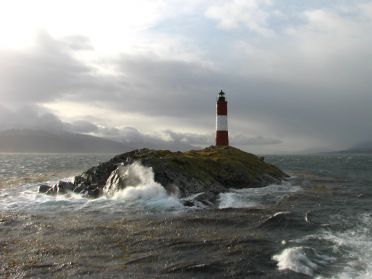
x: 222, y: 134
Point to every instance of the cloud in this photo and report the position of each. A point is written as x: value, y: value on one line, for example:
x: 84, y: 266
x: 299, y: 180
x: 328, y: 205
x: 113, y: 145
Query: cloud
x: 77, y: 43
x: 243, y: 140
x: 189, y: 138
x: 312, y: 81
x: 239, y: 140
x: 81, y: 126
x: 232, y: 14
x: 42, y: 73
x: 33, y: 118
x: 30, y: 118
x: 182, y: 94
x: 137, y: 139
x: 307, y: 85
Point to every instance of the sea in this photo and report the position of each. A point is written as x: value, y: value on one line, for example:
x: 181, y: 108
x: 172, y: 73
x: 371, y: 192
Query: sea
x: 317, y: 224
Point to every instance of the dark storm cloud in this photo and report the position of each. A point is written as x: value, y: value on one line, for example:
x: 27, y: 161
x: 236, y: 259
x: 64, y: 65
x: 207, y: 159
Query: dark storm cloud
x: 145, y: 85
x: 292, y: 111
x: 28, y: 117
x: 158, y: 87
x: 46, y: 72
x: 338, y: 114
x: 32, y: 117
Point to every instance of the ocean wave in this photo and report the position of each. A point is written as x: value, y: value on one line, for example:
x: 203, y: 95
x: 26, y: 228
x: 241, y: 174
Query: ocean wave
x: 256, y: 197
x: 355, y: 245
x: 140, y: 188
x: 340, y: 251
x: 300, y: 259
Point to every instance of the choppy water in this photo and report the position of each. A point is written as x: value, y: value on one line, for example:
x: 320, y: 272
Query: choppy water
x: 317, y: 225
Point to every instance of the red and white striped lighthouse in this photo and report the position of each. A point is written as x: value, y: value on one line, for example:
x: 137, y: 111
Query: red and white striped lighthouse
x: 222, y: 134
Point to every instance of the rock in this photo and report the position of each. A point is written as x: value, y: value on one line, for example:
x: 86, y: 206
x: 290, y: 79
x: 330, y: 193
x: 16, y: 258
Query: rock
x: 210, y: 171
x: 46, y: 189
x: 118, y: 179
x: 188, y: 203
x: 63, y: 187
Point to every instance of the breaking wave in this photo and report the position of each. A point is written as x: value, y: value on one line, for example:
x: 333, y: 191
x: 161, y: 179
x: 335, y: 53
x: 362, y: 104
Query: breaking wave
x: 339, y: 253
x: 303, y: 260
x: 256, y: 197
x: 140, y: 188
x: 355, y: 245
x: 142, y: 193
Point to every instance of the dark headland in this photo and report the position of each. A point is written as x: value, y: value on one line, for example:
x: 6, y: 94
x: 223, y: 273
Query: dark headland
x: 210, y: 171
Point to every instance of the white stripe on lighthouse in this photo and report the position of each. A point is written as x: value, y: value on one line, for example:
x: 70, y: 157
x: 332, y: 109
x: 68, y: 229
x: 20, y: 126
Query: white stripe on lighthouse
x: 221, y: 123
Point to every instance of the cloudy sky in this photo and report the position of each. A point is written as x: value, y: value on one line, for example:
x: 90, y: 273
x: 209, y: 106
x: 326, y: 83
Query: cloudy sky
x: 298, y: 74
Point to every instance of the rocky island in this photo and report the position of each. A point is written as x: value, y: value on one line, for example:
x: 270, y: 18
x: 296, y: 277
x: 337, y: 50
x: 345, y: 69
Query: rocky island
x: 207, y: 172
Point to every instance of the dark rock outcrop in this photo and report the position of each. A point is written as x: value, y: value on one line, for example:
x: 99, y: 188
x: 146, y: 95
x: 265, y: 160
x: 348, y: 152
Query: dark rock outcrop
x: 212, y: 170
x: 62, y: 187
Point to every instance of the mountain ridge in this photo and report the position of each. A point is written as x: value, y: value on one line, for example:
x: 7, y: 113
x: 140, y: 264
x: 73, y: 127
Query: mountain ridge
x: 41, y: 141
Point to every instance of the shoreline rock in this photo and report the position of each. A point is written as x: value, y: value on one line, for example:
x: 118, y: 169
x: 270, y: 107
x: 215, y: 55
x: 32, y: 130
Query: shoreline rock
x: 210, y: 171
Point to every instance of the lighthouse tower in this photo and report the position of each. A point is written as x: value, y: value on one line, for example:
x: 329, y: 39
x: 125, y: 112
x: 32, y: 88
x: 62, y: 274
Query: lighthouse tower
x: 222, y: 135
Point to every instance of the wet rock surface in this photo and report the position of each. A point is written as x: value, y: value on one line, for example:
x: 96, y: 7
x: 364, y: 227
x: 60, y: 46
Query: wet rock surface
x: 210, y: 171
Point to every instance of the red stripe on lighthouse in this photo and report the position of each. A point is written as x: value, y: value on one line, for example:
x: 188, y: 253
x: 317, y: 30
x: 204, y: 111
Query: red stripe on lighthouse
x: 221, y: 108
x: 222, y: 138
x: 222, y: 134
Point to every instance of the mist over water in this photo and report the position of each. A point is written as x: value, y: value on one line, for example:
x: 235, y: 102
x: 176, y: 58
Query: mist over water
x: 316, y: 225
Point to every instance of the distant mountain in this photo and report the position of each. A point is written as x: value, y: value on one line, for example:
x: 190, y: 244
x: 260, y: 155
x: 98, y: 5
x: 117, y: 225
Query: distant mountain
x: 27, y: 141
x: 39, y: 141
x: 365, y: 147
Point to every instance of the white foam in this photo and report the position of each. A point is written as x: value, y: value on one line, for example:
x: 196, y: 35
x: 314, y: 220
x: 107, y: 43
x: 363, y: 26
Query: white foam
x: 356, y: 246
x: 235, y: 200
x: 256, y: 197
x: 140, y: 187
x: 142, y: 193
x: 351, y: 248
x: 152, y: 194
x: 27, y: 198
x: 145, y: 192
x: 297, y: 260
x: 131, y: 175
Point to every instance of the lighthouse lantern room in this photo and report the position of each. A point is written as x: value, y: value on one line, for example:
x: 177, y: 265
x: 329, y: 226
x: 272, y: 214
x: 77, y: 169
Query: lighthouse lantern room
x: 222, y: 135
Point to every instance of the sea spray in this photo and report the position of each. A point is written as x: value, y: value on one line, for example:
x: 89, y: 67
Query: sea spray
x: 129, y: 189
x: 295, y: 259
x: 300, y: 259
x: 128, y: 176
x: 135, y: 183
